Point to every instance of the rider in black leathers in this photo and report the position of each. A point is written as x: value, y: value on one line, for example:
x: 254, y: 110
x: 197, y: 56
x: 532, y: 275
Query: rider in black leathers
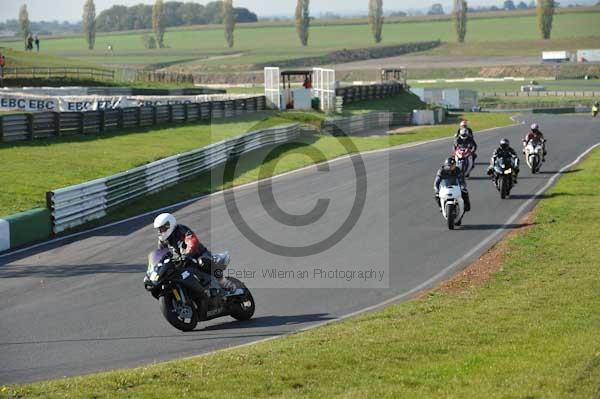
x: 182, y: 242
x: 505, y: 151
x: 449, y: 170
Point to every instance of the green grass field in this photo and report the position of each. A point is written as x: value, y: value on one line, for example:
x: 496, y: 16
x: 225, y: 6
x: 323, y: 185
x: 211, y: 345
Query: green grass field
x: 41, y: 159
x: 269, y: 43
x: 531, y: 331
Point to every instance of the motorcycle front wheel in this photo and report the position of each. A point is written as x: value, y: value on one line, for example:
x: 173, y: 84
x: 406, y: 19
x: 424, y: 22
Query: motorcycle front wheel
x: 505, y: 186
x: 450, y: 215
x: 182, y: 316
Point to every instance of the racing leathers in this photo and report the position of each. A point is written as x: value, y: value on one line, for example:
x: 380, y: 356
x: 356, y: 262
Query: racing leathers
x: 508, y: 152
x: 535, y: 135
x: 470, y: 139
x: 184, y: 244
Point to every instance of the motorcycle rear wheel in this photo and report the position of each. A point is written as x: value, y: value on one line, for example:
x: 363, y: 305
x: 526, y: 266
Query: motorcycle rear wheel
x: 241, y: 310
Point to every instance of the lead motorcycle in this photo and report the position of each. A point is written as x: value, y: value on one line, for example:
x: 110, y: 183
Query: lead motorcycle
x: 503, y: 175
x: 187, y: 295
x: 451, y: 202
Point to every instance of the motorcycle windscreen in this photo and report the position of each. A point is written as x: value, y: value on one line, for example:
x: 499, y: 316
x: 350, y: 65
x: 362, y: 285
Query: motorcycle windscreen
x: 449, y: 181
x: 506, y: 161
x: 156, y: 256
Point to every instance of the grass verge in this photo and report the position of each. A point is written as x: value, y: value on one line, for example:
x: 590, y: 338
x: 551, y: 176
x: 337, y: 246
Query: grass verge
x: 50, y: 164
x: 530, y: 331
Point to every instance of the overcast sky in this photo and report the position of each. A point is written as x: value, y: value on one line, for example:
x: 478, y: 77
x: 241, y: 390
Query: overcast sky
x: 71, y: 9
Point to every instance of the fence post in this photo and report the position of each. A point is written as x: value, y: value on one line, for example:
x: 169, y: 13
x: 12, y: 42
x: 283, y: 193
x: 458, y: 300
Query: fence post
x: 57, y: 124
x: 154, y: 115
x: 120, y: 121
x: 102, y: 120
x: 30, y: 125
x: 185, y: 111
x: 81, y: 122
x: 1, y: 129
x: 170, y: 108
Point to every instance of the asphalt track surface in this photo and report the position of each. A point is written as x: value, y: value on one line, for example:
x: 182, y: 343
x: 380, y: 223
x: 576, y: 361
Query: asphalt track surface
x: 77, y: 306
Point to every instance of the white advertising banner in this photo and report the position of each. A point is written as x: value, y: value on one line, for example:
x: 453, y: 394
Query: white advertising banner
x: 44, y: 103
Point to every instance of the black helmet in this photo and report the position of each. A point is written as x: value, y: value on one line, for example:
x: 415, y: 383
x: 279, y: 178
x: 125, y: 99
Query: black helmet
x: 504, y: 144
x: 449, y: 163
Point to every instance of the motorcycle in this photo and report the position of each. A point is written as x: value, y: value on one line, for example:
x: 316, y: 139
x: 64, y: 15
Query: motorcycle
x: 464, y: 158
x: 451, y: 202
x: 534, y: 152
x: 187, y: 295
x: 503, y: 174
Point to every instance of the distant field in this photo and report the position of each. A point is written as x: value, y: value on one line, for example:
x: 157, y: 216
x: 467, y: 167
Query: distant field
x: 550, y: 85
x: 204, y: 48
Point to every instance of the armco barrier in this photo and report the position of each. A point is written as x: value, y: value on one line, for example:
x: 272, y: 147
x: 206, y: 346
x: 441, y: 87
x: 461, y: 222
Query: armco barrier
x: 352, y: 94
x: 18, y: 127
x: 365, y: 123
x: 75, y: 205
x: 24, y: 227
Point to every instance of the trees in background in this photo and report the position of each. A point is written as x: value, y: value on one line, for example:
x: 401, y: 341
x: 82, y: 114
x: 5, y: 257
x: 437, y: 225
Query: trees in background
x: 545, y: 14
x: 460, y: 19
x: 376, y: 19
x: 24, y: 21
x: 177, y: 13
x: 158, y: 22
x: 89, y: 23
x: 228, y: 21
x: 509, y: 5
x: 302, y: 20
x: 436, y: 9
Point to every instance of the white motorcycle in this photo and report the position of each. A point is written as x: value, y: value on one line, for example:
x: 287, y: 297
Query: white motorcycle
x: 451, y: 202
x: 534, y: 152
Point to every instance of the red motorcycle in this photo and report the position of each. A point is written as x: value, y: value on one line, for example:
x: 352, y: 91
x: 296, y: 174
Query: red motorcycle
x: 464, y: 158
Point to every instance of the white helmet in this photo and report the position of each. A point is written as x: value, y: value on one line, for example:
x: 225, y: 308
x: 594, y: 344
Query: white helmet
x: 463, y: 123
x: 534, y: 126
x: 165, y: 223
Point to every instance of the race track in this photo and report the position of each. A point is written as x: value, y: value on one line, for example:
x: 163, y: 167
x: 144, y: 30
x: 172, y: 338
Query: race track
x: 78, y: 306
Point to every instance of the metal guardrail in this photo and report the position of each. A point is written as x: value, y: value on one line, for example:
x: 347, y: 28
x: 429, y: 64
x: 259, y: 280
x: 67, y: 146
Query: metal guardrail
x: 58, y: 72
x: 75, y: 205
x: 365, y: 123
x: 351, y: 94
x: 579, y: 93
x: 48, y: 124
